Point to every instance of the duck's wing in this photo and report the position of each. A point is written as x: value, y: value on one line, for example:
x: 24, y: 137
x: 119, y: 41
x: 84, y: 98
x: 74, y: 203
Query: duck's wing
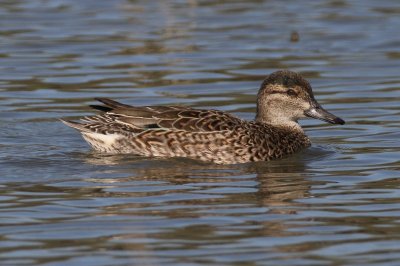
x: 122, y: 118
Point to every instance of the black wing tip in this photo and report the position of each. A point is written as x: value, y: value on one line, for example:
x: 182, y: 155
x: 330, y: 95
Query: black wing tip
x: 101, y: 107
x: 110, y: 103
x: 106, y: 101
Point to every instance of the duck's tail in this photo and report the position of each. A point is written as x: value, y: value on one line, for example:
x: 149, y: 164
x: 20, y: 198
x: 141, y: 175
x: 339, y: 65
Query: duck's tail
x: 78, y: 126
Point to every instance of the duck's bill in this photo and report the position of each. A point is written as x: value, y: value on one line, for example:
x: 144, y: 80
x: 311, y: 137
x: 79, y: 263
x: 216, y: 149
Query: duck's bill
x: 319, y: 113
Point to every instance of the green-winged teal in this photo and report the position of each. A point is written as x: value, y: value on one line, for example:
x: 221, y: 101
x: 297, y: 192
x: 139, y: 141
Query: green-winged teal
x: 210, y: 135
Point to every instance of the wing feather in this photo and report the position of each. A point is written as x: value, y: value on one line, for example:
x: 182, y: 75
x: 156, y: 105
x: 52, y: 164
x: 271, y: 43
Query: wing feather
x: 124, y: 119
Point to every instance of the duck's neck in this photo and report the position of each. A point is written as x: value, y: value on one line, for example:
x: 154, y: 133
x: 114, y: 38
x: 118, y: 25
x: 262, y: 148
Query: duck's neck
x: 278, y: 121
x: 293, y: 125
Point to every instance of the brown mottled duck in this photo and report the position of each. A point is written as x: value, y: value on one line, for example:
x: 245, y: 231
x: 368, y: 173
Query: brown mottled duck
x: 210, y: 135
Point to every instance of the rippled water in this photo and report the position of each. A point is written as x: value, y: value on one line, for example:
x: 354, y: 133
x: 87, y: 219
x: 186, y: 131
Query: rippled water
x: 337, y: 203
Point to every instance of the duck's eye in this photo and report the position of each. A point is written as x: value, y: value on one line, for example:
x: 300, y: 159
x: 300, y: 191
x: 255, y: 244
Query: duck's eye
x: 291, y: 92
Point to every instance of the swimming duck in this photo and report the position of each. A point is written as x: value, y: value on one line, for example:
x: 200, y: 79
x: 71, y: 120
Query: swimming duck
x: 210, y: 135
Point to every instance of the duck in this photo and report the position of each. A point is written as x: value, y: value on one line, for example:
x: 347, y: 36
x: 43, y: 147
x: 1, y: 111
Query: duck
x: 212, y: 136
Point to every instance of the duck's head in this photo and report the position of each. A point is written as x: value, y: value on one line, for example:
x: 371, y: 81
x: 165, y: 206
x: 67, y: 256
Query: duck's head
x: 285, y: 97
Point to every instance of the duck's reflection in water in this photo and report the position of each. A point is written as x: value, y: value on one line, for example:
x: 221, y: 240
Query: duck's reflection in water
x: 275, y: 185
x: 219, y: 203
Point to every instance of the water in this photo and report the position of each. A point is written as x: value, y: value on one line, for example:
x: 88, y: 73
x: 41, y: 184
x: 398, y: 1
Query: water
x: 337, y: 203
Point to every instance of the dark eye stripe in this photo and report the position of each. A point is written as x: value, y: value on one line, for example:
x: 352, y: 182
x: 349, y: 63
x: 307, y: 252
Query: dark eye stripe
x: 291, y: 92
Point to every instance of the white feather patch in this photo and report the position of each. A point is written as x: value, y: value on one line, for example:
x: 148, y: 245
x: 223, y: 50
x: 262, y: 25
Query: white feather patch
x: 100, y: 141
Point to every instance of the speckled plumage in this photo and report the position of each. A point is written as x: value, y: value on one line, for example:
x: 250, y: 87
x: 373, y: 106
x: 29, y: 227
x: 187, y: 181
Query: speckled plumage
x: 207, y: 135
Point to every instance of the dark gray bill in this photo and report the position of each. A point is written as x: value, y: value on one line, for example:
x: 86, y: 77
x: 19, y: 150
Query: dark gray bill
x: 320, y: 113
